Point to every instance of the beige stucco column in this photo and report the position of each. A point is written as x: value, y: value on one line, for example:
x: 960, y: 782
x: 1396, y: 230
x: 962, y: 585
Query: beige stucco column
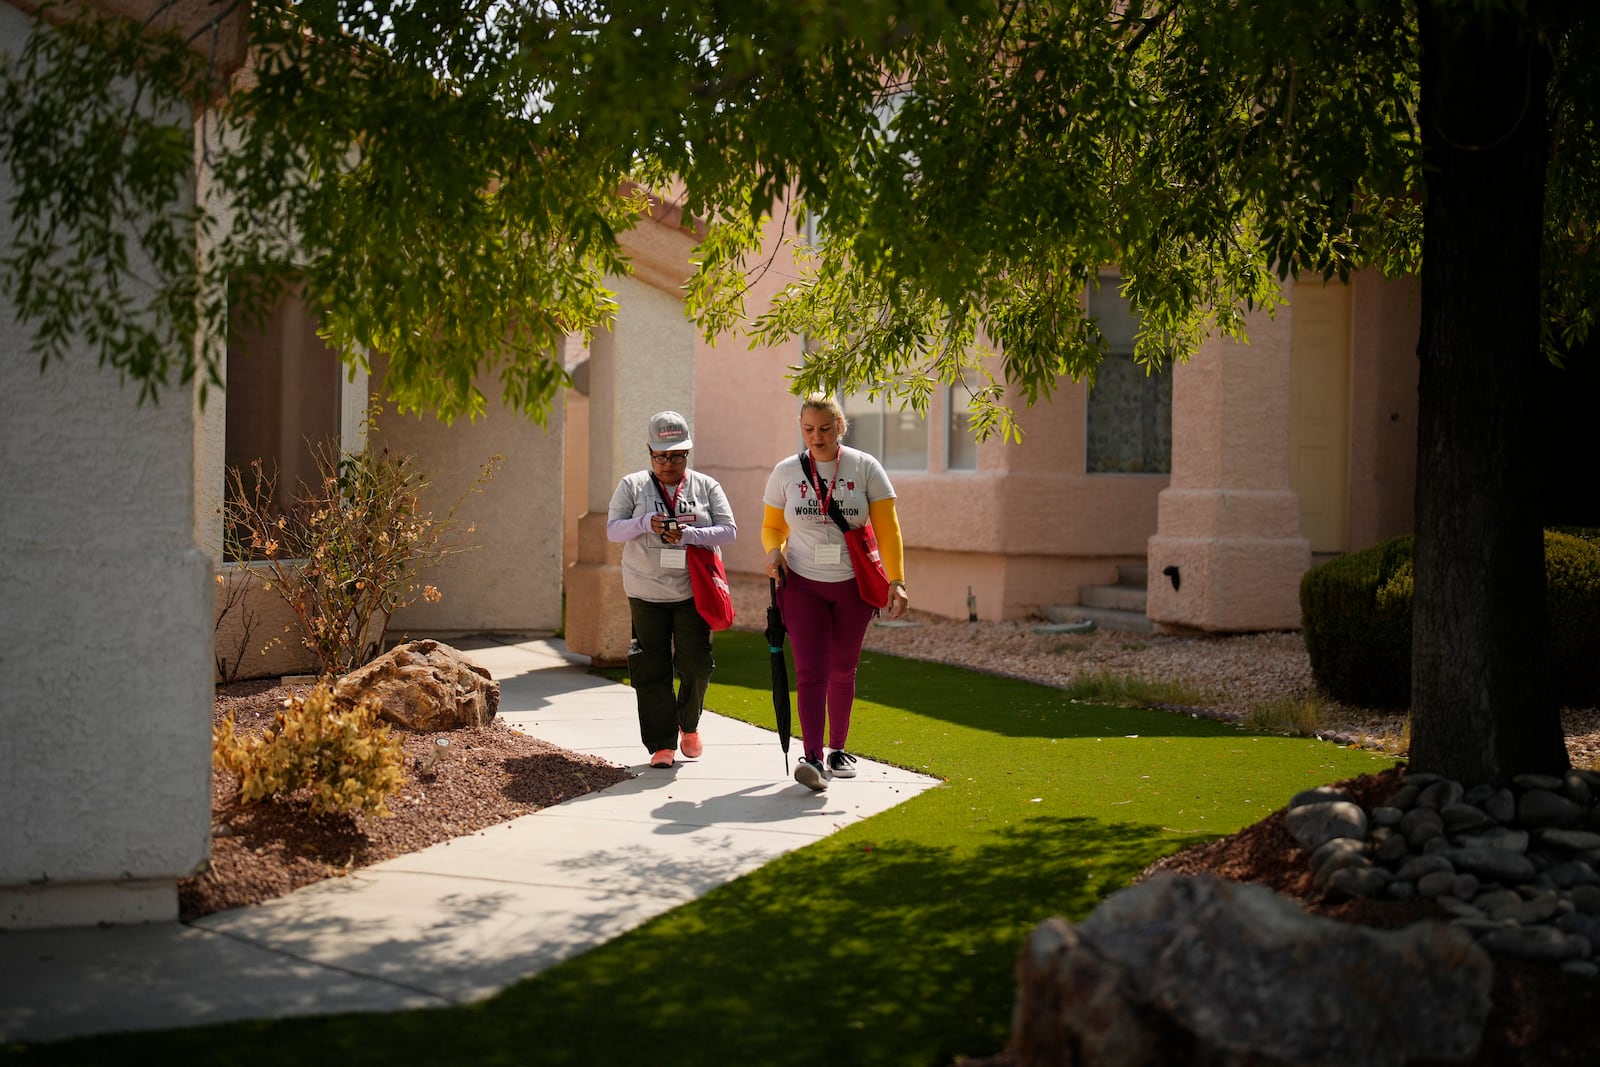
x: 1228, y: 522
x: 643, y: 364
x: 510, y: 580
x: 105, y: 619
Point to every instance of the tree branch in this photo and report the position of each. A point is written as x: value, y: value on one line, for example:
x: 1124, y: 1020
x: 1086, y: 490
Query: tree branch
x: 1150, y: 25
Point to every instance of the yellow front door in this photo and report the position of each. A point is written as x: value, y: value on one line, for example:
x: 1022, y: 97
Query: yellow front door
x: 1319, y: 422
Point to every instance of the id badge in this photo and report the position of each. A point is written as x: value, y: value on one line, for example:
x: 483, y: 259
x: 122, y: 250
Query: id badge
x: 830, y: 554
x: 674, y: 559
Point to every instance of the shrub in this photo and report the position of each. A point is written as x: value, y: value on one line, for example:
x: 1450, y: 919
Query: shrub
x: 349, y: 554
x: 1572, y: 564
x: 1356, y: 621
x: 346, y: 759
x: 1355, y: 614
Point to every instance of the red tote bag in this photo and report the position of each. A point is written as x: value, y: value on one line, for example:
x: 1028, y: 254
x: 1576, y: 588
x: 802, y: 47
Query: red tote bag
x: 709, y: 580
x: 871, y: 580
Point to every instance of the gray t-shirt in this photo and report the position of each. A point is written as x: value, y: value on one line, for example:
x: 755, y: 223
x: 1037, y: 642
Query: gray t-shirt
x: 702, y: 508
x: 815, y: 548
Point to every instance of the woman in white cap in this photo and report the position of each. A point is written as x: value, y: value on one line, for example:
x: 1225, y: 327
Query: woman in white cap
x: 655, y: 513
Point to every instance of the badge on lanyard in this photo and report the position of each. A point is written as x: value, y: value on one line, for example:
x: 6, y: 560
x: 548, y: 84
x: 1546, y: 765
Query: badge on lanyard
x: 675, y: 558
x: 829, y: 554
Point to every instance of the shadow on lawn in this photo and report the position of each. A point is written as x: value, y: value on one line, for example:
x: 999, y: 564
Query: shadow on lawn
x: 883, y: 951
x: 1005, y: 706
x: 854, y: 950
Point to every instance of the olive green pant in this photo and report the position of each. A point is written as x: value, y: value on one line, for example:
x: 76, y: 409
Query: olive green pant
x: 668, y: 639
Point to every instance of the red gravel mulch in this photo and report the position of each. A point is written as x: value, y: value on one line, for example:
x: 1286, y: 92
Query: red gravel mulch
x: 491, y: 775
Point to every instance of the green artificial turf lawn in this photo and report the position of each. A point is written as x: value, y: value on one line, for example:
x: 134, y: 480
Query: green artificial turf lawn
x: 890, y: 942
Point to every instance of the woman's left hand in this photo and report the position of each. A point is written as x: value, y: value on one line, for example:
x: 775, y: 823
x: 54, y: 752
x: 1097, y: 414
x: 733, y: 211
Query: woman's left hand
x: 898, y: 601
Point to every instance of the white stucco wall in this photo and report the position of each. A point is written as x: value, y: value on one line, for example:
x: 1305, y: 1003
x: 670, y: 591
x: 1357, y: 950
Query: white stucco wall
x: 510, y: 580
x: 105, y: 637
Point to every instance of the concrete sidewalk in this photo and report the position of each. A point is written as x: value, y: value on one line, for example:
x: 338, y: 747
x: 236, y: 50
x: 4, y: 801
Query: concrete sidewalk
x: 463, y: 919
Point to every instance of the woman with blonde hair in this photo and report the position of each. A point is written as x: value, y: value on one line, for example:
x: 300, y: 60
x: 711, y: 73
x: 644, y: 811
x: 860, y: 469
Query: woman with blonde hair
x: 822, y: 609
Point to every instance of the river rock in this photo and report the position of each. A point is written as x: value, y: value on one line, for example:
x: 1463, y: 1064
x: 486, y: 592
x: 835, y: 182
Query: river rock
x: 1317, y: 823
x: 1491, y: 864
x: 1543, y: 808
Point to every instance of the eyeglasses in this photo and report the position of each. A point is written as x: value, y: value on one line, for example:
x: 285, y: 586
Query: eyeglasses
x: 675, y: 459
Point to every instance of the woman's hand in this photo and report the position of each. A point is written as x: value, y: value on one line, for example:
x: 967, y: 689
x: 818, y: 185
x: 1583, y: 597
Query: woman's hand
x: 670, y: 530
x: 898, y: 600
x: 775, y: 563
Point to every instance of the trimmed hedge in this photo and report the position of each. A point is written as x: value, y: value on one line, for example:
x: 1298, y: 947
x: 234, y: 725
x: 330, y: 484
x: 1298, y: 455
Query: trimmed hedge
x: 1356, y: 618
x: 1355, y: 614
x: 1572, y: 569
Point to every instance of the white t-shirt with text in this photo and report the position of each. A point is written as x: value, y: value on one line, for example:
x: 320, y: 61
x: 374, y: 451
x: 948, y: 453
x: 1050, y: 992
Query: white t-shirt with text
x: 815, y: 548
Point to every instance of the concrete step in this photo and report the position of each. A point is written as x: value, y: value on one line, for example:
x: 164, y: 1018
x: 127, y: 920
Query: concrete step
x: 1117, y: 619
x: 1120, y: 597
x: 1133, y: 574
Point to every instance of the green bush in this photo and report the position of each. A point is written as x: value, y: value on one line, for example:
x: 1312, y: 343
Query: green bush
x: 1356, y: 619
x: 1572, y: 569
x: 1355, y: 614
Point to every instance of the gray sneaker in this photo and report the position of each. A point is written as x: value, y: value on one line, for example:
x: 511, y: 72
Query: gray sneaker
x: 842, y: 764
x: 808, y: 772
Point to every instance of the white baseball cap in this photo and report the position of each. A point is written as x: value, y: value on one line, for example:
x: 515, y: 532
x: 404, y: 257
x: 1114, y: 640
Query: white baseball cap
x: 669, y: 432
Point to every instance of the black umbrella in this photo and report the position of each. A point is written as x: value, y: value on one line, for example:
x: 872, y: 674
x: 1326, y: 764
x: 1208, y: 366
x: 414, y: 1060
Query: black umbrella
x: 780, y: 671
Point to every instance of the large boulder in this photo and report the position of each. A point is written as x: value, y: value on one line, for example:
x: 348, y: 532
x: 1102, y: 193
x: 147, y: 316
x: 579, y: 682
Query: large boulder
x: 424, y: 686
x: 1186, y: 971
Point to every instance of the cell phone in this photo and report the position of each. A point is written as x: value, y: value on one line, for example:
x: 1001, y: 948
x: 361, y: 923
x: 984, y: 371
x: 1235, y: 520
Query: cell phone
x: 669, y: 525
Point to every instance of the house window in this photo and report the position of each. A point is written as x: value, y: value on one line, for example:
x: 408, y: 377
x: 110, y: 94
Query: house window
x: 897, y: 436
x: 286, y: 401
x: 961, y: 447
x: 1129, y: 411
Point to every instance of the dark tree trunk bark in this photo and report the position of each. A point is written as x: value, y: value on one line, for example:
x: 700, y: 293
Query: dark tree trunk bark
x: 1480, y: 700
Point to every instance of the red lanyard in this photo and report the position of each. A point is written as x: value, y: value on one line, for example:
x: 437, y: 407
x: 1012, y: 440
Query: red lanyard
x: 672, y: 505
x: 816, y: 481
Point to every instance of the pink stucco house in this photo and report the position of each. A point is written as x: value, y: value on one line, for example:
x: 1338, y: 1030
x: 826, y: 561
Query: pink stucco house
x: 1222, y: 479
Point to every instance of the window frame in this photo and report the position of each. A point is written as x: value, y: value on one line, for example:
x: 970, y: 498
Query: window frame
x: 1112, y: 280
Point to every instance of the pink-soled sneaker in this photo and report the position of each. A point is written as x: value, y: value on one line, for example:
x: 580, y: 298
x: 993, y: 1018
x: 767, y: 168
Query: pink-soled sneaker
x: 689, y: 744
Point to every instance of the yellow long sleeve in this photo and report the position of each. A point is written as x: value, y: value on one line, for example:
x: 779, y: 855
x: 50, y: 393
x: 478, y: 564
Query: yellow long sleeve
x: 774, y: 528
x: 891, y: 547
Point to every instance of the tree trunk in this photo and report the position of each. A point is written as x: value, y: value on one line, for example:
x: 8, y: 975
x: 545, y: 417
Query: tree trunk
x: 1481, y: 705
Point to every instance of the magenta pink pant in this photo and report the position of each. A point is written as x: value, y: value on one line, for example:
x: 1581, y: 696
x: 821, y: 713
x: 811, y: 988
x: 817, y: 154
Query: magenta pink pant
x: 827, y: 622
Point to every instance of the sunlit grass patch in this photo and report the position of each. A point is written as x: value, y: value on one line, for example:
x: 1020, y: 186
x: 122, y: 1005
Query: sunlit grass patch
x: 1120, y: 690
x: 1295, y: 716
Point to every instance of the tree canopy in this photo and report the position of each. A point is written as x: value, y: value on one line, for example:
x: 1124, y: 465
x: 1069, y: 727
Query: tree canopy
x: 448, y: 180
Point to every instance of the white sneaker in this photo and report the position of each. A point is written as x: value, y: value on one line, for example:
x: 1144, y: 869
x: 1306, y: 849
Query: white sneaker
x: 808, y: 772
x: 842, y: 764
